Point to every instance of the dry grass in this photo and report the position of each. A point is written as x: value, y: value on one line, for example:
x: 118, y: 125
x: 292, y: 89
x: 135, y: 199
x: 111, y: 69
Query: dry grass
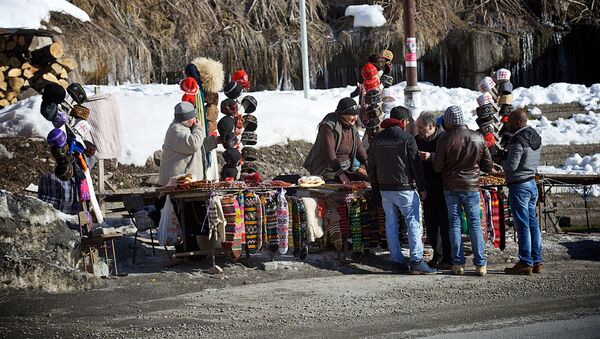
x: 152, y: 40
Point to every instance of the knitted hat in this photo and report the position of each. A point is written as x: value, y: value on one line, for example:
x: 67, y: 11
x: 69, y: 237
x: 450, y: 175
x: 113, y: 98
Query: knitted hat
x: 503, y: 75
x: 249, y: 138
x: 232, y: 156
x: 77, y: 93
x: 373, y: 97
x: 505, y: 87
x: 80, y: 112
x: 400, y: 113
x: 386, y: 80
x: 229, y: 106
x: 189, y: 85
x: 371, y: 84
x: 60, y: 119
x: 484, y: 99
x: 229, y: 172
x: 387, y: 54
x: 249, y: 104
x: 49, y: 110
x: 249, y: 153
x: 347, y: 106
x: 454, y: 116
x: 486, y: 84
x: 191, y: 98
x: 485, y: 110
x: 250, y: 122
x: 368, y: 71
x: 233, y: 90
x: 249, y: 167
x: 56, y: 138
x: 184, y: 111
x: 240, y: 76
x: 54, y: 93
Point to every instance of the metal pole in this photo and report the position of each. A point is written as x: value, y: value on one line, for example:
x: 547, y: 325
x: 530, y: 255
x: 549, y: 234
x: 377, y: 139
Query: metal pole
x: 412, y: 91
x: 304, y: 42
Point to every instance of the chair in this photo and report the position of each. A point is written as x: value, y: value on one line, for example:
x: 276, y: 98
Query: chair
x: 134, y: 205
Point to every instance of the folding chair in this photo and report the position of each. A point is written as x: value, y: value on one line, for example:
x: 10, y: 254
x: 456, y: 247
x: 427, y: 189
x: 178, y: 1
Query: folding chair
x: 134, y: 205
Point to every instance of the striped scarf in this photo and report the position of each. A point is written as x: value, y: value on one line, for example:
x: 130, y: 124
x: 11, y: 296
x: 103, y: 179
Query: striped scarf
x: 271, y: 214
x: 282, y: 222
x: 496, y: 217
x: 252, y: 221
x: 233, y: 228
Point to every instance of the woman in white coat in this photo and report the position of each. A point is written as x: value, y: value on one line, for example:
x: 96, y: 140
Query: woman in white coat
x: 182, y: 148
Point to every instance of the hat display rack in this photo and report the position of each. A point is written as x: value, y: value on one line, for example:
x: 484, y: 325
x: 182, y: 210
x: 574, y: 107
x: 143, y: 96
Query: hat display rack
x: 69, y: 118
x: 494, y: 106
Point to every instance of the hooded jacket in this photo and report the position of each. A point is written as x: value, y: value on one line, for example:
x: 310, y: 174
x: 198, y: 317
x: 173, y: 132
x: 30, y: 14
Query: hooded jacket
x: 524, y: 151
x: 394, y: 162
x: 460, y: 154
x: 181, y: 152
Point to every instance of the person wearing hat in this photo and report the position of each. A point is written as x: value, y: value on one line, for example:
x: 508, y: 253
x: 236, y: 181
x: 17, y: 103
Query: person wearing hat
x: 395, y: 169
x: 337, y: 145
x: 460, y: 155
x: 183, y: 145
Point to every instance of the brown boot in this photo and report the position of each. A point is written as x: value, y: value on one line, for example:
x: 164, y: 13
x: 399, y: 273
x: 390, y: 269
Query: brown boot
x: 537, y: 268
x: 518, y: 269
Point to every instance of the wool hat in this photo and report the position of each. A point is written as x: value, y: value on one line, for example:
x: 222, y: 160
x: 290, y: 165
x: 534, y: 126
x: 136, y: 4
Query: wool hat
x: 57, y: 138
x: 80, y: 112
x: 229, y: 172
x: 250, y: 122
x: 240, y: 76
x: 54, y: 93
x: 386, y: 80
x: 371, y: 84
x: 49, y: 110
x: 347, y: 106
x: 505, y: 87
x: 189, y: 85
x: 249, y: 153
x: 77, y: 93
x: 368, y: 71
x: 184, y: 111
x: 249, y: 104
x: 192, y: 71
x: 454, y: 116
x: 373, y: 97
x: 229, y: 106
x: 400, y: 113
x: 233, y: 90
x: 387, y: 54
x: 485, y: 110
x: 60, y: 119
x: 503, y: 74
x: 486, y: 85
x: 249, y: 138
x: 232, y: 156
x: 191, y: 98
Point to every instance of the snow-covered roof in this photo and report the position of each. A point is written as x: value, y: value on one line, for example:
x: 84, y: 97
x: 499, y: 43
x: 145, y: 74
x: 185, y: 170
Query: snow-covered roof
x: 32, y: 13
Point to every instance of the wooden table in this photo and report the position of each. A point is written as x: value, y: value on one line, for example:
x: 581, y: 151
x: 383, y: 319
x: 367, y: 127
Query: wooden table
x: 90, y: 245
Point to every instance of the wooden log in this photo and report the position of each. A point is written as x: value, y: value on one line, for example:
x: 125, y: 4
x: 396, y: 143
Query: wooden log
x: 10, y: 95
x: 13, y: 100
x: 47, y: 54
x: 25, y: 65
x: 2, y: 95
x: 3, y: 85
x: 39, y: 42
x: 64, y: 83
x: 50, y: 77
x: 14, y: 72
x: 2, y: 45
x: 56, y: 68
x: 1, y: 75
x: 28, y: 74
x: 3, y: 68
x: 64, y: 74
x: 16, y: 83
x: 23, y: 40
x: 14, y: 62
x: 4, y: 60
x: 68, y: 63
x: 4, y: 103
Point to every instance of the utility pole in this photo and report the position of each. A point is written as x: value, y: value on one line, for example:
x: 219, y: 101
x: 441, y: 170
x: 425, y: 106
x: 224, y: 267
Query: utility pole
x: 304, y: 42
x: 412, y: 98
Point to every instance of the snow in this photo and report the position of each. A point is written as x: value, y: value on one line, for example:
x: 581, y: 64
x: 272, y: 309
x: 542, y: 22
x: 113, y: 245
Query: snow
x: 31, y: 13
x: 578, y: 165
x: 366, y: 15
x: 147, y: 110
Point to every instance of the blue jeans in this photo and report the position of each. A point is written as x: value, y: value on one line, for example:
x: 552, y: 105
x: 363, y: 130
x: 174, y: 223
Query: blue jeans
x: 470, y: 202
x: 408, y: 203
x: 522, y: 198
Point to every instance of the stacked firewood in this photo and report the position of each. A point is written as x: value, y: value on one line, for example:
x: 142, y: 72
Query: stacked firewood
x: 28, y: 61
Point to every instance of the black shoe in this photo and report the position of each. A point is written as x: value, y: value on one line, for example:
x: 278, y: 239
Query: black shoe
x: 400, y: 267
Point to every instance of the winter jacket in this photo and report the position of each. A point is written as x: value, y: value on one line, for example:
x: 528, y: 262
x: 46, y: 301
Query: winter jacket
x: 432, y: 178
x: 524, y: 150
x: 182, y: 152
x: 324, y: 153
x: 460, y: 155
x: 394, y: 163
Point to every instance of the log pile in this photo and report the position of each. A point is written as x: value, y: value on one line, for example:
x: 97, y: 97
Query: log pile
x: 30, y: 61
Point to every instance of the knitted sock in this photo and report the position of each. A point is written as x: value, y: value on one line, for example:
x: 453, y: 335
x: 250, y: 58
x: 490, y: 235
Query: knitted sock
x: 290, y: 225
x: 334, y: 228
x: 342, y: 210
x: 271, y: 212
x: 496, y: 218
x: 282, y: 222
x: 296, y: 227
x: 303, y: 226
x: 228, y: 203
x: 250, y: 221
x: 364, y: 223
x: 259, y: 223
x: 355, y: 226
x: 265, y: 238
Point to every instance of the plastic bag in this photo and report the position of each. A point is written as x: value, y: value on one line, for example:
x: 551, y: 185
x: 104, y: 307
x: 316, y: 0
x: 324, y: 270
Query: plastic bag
x: 169, y: 229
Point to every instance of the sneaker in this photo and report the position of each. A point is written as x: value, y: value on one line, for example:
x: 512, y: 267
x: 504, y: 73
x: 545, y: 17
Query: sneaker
x: 537, y: 268
x: 519, y: 269
x: 444, y: 265
x: 458, y: 269
x: 481, y: 270
x: 421, y: 267
x: 400, y: 267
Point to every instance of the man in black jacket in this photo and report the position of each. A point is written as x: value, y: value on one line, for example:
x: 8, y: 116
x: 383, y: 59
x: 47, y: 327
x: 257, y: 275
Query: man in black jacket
x: 394, y: 166
x: 435, y: 214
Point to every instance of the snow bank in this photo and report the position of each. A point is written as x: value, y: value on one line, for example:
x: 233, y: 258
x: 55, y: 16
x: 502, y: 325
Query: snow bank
x: 147, y: 110
x: 366, y: 15
x: 31, y: 13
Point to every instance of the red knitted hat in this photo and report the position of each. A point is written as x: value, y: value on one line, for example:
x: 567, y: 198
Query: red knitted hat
x: 189, y: 85
x: 241, y: 77
x: 191, y: 98
x: 368, y: 71
x: 371, y: 84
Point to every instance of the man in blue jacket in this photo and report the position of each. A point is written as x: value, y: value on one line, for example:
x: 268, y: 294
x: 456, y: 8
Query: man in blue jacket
x: 524, y: 150
x: 394, y: 166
